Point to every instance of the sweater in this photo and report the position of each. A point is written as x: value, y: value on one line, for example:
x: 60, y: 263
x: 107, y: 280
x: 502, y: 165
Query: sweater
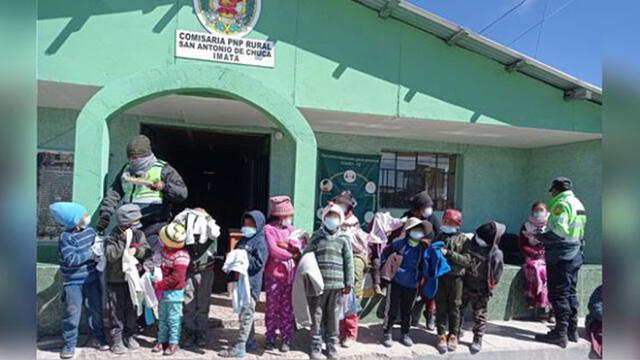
x: 280, y: 265
x: 114, y: 250
x: 335, y: 258
x: 486, y: 262
x: 457, y: 252
x: 410, y: 269
x: 76, y: 259
x: 174, y: 273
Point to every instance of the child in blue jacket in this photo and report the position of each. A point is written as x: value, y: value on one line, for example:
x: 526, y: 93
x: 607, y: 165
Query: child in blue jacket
x: 402, y: 294
x: 80, y: 278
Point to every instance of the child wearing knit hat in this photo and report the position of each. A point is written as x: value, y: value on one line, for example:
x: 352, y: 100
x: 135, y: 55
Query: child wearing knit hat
x: 175, y: 261
x: 80, y: 278
x: 279, y: 272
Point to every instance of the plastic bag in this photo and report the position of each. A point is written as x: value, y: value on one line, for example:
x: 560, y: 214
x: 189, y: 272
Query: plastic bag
x: 350, y: 305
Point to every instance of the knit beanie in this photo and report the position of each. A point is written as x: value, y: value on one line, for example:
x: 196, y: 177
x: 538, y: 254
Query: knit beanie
x: 139, y: 146
x: 453, y: 215
x: 346, y: 198
x: 129, y: 214
x: 420, y: 200
x: 487, y: 232
x: 67, y: 214
x: 173, y: 235
x: 281, y: 206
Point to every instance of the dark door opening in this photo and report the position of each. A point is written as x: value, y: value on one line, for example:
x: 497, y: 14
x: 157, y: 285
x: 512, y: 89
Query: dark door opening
x: 226, y: 174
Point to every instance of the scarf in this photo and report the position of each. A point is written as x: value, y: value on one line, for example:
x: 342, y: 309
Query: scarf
x: 140, y: 166
x: 534, y: 226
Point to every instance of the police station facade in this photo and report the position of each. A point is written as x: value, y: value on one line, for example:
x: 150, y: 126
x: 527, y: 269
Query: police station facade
x: 278, y: 82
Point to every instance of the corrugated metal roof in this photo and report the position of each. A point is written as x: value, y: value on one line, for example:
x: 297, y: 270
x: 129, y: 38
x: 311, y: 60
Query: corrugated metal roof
x: 574, y: 88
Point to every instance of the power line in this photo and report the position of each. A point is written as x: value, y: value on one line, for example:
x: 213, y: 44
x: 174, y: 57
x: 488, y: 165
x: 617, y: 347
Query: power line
x: 540, y: 22
x: 544, y: 14
x: 512, y: 9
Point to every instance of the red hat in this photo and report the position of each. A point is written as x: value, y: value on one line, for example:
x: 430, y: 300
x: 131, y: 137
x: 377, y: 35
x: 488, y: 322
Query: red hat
x: 281, y: 206
x: 453, y: 215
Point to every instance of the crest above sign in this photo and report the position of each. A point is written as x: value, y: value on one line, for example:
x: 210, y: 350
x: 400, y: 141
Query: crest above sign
x: 228, y: 17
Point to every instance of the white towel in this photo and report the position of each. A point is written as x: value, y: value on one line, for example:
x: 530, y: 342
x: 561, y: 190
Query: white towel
x: 131, y: 274
x: 198, y: 223
x: 308, y: 282
x: 238, y: 260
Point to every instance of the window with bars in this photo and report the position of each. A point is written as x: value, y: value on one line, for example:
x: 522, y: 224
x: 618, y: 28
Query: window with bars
x: 403, y: 175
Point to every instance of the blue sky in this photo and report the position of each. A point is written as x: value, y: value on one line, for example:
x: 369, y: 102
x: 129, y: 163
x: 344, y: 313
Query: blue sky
x: 568, y: 38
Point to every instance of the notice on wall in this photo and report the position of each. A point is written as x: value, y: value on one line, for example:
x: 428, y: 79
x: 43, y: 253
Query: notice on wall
x: 220, y: 48
x: 55, y: 180
x: 359, y: 174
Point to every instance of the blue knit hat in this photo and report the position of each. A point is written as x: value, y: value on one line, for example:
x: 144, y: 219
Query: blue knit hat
x: 67, y: 214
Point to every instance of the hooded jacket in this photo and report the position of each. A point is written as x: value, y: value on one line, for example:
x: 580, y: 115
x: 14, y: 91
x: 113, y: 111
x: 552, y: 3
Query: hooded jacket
x: 487, y: 262
x: 436, y: 265
x: 256, y: 247
x: 457, y: 252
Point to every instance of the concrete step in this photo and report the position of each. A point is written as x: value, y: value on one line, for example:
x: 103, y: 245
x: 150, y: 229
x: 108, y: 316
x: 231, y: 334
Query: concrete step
x: 506, y: 340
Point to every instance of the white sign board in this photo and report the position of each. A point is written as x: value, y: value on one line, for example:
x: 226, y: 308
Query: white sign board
x: 206, y: 46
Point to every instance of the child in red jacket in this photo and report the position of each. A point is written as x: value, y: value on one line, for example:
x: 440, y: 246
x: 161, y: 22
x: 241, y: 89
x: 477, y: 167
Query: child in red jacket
x: 175, y: 261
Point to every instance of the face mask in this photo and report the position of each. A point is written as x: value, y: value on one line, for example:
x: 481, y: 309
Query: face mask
x: 287, y: 222
x: 448, y: 229
x: 139, y: 166
x: 416, y: 234
x: 331, y: 223
x: 540, y: 215
x: 480, y: 242
x: 248, y: 231
x: 344, y: 208
x: 427, y: 212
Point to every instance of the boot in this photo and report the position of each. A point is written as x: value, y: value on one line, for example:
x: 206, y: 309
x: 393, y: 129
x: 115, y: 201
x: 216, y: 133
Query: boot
x: 332, y: 352
x: 431, y: 321
x: 572, y: 335
x: 452, y: 342
x: 157, y: 347
x: 131, y: 343
x: 285, y: 346
x: 118, y: 347
x: 316, y: 352
x: 347, y: 342
x: 171, y: 349
x: 67, y: 352
x: 201, y: 339
x: 406, y: 340
x: 476, y: 345
x: 553, y: 337
x: 237, y: 351
x: 442, y: 344
x: 188, y: 339
x: 100, y: 345
x: 387, y: 340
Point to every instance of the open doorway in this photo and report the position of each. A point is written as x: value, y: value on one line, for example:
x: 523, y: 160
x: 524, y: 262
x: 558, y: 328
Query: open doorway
x: 226, y: 174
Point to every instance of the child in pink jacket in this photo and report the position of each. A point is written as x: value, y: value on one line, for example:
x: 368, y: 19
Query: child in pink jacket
x: 280, y: 272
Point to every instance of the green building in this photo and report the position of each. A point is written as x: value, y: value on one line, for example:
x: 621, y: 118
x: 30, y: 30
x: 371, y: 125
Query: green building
x: 244, y: 115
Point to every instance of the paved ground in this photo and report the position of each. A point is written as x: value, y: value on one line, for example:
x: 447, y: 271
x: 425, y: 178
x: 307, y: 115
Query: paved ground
x: 504, y: 340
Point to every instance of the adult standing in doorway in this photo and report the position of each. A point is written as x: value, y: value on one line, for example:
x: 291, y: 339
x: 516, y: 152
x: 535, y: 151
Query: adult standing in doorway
x: 564, y: 253
x: 152, y: 184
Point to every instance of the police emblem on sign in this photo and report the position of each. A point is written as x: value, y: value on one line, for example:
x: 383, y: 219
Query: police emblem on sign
x: 228, y: 17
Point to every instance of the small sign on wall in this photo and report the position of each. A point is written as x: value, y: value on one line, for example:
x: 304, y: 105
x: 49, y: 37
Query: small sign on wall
x: 235, y: 50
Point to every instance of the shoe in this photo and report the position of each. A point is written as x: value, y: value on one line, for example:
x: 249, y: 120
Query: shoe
x: 157, y: 347
x: 441, y: 345
x: 131, y: 343
x: 201, y: 339
x: 99, y: 345
x: 250, y: 346
x: 406, y: 340
x: 553, y: 338
x: 118, y: 348
x: 171, y: 349
x: 269, y: 345
x: 285, y: 346
x: 347, y: 342
x: 188, y: 339
x: 572, y: 335
x: 67, y: 353
x: 476, y: 345
x: 332, y: 352
x: 234, y: 352
x: 316, y: 353
x: 387, y: 340
x: 452, y: 342
x: 431, y: 322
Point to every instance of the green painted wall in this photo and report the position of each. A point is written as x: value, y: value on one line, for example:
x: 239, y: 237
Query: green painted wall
x: 333, y: 54
x: 494, y: 183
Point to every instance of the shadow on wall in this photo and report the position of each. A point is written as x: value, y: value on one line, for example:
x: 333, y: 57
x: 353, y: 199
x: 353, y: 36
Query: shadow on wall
x: 448, y: 74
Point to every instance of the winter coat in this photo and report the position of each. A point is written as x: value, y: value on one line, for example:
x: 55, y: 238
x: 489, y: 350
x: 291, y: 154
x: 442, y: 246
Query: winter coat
x: 280, y: 264
x: 436, y: 265
x: 256, y: 247
x: 175, y: 192
x: 487, y: 263
x: 411, y: 268
x: 457, y: 252
x: 114, y: 251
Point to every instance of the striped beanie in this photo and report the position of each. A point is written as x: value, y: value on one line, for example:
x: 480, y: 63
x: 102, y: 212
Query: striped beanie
x: 173, y: 235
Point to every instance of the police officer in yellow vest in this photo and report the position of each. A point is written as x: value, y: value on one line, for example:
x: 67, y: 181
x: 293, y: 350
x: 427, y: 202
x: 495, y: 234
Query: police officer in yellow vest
x: 150, y: 183
x: 564, y: 244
